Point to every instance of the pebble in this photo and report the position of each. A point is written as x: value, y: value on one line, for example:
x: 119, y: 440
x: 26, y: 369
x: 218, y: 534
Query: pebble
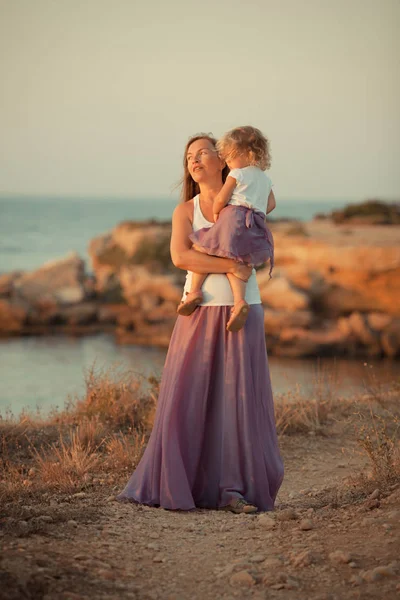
x: 154, y: 535
x: 159, y: 559
x: 272, y: 563
x: 378, y: 573
x: 266, y: 522
x: 306, y: 524
x: 79, y: 495
x: 288, y: 514
x: 340, y: 557
x: 242, y: 578
x: 153, y: 546
x: 304, y: 559
x: 375, y: 494
x: 257, y: 558
x: 72, y: 523
x: 371, y: 504
x: 45, y: 518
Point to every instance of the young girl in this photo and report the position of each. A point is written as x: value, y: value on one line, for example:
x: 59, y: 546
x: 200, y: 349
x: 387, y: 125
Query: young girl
x: 240, y: 231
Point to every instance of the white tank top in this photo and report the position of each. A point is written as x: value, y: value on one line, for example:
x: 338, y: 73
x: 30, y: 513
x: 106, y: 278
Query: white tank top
x: 216, y: 288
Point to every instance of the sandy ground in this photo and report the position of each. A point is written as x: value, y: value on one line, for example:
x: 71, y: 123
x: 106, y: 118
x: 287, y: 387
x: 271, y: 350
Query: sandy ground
x: 321, y: 542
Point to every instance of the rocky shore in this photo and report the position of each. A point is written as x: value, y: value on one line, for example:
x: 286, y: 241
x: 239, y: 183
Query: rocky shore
x: 335, y: 290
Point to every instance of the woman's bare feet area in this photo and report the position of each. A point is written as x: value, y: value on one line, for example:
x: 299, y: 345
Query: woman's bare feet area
x: 191, y: 302
x: 239, y: 316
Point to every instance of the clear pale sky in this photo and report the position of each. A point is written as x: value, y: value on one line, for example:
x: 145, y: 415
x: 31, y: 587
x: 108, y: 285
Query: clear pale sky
x: 99, y: 97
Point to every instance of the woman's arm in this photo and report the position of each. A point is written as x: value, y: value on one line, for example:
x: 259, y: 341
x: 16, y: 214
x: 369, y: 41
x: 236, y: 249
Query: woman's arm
x: 223, y: 197
x: 271, y: 202
x: 184, y: 257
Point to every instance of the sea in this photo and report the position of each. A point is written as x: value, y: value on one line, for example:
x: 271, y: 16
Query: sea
x: 40, y: 373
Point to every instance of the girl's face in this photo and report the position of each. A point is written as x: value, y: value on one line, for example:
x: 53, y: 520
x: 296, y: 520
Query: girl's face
x: 203, y: 161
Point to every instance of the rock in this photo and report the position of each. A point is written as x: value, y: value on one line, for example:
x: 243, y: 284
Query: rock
x: 272, y: 564
x: 390, y: 339
x: 61, y: 281
x: 7, y: 281
x: 13, y: 315
x: 257, y: 558
x: 378, y: 573
x: 371, y: 504
x: 72, y: 523
x: 159, y: 559
x: 279, y: 293
x: 375, y: 494
x: 340, y: 557
x: 266, y: 522
x: 305, y: 558
x: 355, y: 580
x: 81, y: 314
x: 359, y: 327
x: 242, y: 578
x: 287, y: 514
x: 154, y: 535
x: 137, y: 281
x: 276, y: 320
x: 79, y: 495
x: 45, y: 518
x: 306, y: 524
x: 378, y: 321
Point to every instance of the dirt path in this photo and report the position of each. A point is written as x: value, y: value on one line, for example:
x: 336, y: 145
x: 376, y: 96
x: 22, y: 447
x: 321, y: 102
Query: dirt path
x: 113, y: 550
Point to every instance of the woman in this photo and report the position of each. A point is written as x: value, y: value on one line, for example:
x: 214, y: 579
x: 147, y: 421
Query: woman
x: 214, y: 441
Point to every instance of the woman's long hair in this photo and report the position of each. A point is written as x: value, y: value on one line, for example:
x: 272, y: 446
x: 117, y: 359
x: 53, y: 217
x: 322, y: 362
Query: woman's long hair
x: 189, y: 187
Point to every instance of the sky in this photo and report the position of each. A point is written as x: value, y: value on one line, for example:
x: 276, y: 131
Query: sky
x: 98, y: 98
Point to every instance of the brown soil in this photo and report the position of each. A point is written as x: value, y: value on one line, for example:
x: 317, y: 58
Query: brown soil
x: 88, y: 546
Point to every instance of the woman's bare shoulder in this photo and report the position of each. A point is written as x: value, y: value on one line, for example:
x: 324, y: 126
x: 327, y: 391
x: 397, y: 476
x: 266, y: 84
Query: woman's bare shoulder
x: 184, y: 210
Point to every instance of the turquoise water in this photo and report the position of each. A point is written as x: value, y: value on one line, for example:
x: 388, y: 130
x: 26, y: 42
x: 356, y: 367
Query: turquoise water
x: 34, y: 231
x: 43, y: 372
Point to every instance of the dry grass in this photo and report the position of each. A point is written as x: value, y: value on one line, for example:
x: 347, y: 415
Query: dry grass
x: 100, y: 437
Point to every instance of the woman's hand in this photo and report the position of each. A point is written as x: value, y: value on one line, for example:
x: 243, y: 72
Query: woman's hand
x: 216, y: 215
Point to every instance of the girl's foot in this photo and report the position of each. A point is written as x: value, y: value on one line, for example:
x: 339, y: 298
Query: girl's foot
x: 239, y: 316
x: 192, y: 300
x: 239, y: 505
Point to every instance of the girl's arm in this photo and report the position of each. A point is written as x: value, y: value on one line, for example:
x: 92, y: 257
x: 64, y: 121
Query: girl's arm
x: 271, y: 202
x: 184, y: 257
x: 223, y: 197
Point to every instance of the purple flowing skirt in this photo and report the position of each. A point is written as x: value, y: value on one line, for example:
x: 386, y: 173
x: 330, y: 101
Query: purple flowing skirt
x: 239, y: 233
x: 214, y: 435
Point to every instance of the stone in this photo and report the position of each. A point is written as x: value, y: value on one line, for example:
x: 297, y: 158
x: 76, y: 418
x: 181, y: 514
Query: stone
x: 266, y: 522
x: 60, y: 280
x: 276, y: 320
x: 306, y: 524
x: 390, y: 339
x: 375, y: 494
x: 305, y: 558
x: 242, y: 578
x: 45, y: 518
x: 371, y: 504
x: 287, y: 514
x: 72, y: 523
x: 378, y: 321
x: 340, y: 557
x: 159, y: 559
x: 272, y: 563
x: 13, y: 315
x: 257, y: 558
x: 279, y: 293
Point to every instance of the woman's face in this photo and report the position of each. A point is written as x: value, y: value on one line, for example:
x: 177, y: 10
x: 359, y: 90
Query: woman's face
x: 203, y: 161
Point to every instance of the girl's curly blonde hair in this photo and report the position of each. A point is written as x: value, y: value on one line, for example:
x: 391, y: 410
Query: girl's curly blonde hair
x: 246, y: 141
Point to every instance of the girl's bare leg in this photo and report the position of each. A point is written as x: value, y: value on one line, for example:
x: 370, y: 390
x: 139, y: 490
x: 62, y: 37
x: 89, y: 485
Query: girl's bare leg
x: 240, y: 310
x: 238, y: 287
x: 194, y: 297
